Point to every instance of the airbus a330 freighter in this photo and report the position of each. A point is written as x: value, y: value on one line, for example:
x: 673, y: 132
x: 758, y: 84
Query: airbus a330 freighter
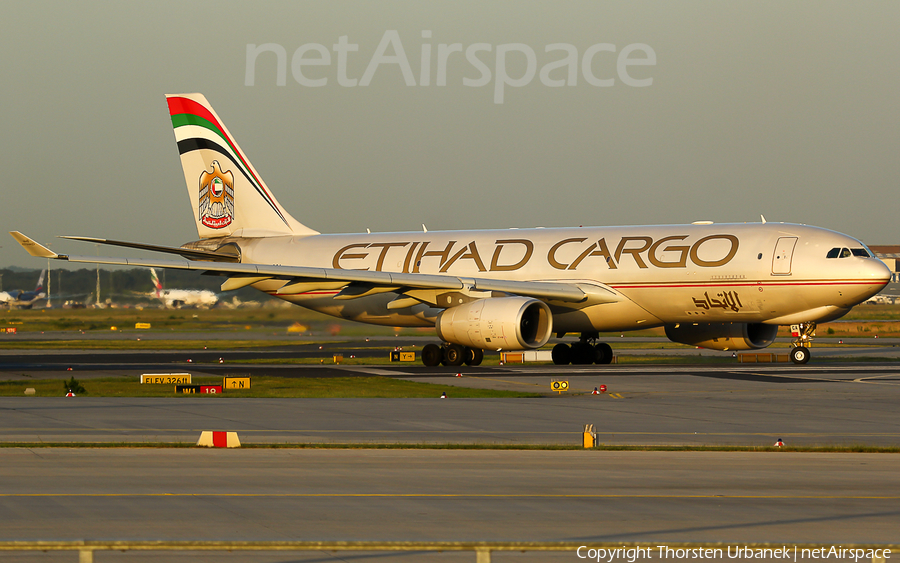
x: 718, y: 286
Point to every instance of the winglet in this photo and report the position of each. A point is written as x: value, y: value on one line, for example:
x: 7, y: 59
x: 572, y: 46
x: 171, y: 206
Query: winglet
x: 33, y: 248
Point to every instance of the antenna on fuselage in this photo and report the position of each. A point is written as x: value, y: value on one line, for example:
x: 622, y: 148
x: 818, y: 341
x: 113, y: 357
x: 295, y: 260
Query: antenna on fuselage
x: 763, y: 217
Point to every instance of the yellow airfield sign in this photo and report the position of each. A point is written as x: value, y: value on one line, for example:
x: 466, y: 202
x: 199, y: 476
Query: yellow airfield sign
x: 166, y: 378
x: 236, y: 383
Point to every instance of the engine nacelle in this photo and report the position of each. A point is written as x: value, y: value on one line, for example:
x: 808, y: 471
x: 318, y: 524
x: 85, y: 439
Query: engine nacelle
x: 723, y: 336
x: 499, y: 323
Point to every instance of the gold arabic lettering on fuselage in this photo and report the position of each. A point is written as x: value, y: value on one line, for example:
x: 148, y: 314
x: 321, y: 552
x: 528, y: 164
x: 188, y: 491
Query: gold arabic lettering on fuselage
x: 508, y: 255
x: 729, y: 300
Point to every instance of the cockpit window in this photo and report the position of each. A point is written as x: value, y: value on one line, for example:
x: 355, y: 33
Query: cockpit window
x: 845, y: 252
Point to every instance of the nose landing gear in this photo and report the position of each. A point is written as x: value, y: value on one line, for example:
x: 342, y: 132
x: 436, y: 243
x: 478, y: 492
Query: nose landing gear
x: 803, y: 335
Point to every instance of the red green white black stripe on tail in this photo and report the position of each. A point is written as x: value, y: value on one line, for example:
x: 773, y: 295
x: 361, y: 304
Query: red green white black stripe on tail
x: 228, y: 195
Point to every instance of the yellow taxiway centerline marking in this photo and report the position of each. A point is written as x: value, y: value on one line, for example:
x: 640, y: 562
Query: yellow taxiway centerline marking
x: 443, y: 495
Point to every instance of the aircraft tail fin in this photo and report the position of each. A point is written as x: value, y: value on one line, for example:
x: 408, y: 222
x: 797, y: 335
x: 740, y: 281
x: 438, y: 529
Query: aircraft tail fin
x: 40, y: 284
x: 228, y: 196
x: 156, y: 285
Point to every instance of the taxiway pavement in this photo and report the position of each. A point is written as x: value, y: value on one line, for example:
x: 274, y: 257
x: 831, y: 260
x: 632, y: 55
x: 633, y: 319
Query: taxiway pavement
x: 448, y: 495
x: 696, y: 405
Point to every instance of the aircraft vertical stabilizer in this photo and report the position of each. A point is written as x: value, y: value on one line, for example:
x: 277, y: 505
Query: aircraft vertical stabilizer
x: 156, y: 285
x: 228, y: 196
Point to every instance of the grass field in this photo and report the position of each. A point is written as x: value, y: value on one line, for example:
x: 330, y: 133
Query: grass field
x: 269, y: 319
x: 262, y: 387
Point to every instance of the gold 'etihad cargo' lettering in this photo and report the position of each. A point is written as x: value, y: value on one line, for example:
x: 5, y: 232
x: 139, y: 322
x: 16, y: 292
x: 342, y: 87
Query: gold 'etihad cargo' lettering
x: 509, y: 255
x: 501, y: 244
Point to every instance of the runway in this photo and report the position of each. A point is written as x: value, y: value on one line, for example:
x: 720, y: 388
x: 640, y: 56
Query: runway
x: 448, y: 495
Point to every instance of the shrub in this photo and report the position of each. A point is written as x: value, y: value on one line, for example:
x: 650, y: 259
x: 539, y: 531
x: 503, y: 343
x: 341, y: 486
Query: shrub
x: 74, y: 386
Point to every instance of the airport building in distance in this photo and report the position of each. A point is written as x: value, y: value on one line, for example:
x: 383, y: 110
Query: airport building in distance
x: 890, y: 255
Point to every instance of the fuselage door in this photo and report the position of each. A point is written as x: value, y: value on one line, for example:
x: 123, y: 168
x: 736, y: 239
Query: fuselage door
x: 784, y: 252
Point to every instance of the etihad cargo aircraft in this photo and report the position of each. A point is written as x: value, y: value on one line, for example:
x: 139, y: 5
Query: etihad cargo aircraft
x: 24, y: 299
x: 719, y: 286
x: 177, y: 298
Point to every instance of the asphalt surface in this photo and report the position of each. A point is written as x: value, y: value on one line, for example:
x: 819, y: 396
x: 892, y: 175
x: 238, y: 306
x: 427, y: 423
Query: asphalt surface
x: 438, y: 495
x: 731, y: 405
x: 590, y: 496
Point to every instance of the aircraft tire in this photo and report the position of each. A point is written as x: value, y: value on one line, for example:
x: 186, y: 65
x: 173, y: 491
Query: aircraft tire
x: 800, y: 355
x: 431, y: 355
x: 454, y: 355
x: 603, y: 353
x: 582, y: 353
x: 474, y: 356
x: 561, y: 354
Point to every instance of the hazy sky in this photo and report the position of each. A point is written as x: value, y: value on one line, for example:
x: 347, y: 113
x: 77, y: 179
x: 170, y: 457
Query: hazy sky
x: 787, y: 109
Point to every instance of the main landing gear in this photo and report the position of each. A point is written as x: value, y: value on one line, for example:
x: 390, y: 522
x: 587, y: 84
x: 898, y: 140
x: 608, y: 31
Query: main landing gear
x: 803, y: 335
x: 586, y: 351
x: 451, y: 355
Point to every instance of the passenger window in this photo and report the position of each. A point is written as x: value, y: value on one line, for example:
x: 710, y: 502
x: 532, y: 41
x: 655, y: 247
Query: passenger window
x: 834, y: 253
x: 860, y: 252
x: 845, y: 252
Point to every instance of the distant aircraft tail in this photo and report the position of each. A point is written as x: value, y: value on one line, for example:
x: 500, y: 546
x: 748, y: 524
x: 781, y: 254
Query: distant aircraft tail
x: 227, y: 194
x: 156, y: 285
x: 40, y: 284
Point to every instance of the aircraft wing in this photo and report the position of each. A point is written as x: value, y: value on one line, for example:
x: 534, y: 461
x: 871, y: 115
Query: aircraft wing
x: 184, y: 252
x: 298, y: 279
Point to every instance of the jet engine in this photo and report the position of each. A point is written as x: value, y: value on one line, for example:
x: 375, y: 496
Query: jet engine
x: 723, y: 336
x: 500, y: 323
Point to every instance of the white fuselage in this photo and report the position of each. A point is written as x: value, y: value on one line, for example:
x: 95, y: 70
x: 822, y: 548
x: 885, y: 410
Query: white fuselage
x: 188, y: 298
x: 770, y: 273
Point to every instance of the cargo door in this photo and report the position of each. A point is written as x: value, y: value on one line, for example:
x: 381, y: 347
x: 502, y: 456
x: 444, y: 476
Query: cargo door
x: 784, y: 253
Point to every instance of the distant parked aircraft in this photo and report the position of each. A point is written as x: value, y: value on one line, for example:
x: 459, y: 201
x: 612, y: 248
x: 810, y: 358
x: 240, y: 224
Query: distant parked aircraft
x: 20, y: 299
x: 177, y: 298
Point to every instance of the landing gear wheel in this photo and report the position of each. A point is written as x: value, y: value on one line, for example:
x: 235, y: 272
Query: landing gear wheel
x: 582, y: 353
x: 474, y: 356
x: 454, y: 354
x: 561, y: 354
x: 431, y: 355
x: 603, y: 353
x: 800, y: 355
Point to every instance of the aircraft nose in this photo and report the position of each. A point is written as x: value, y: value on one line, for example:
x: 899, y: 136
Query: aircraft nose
x: 877, y: 270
